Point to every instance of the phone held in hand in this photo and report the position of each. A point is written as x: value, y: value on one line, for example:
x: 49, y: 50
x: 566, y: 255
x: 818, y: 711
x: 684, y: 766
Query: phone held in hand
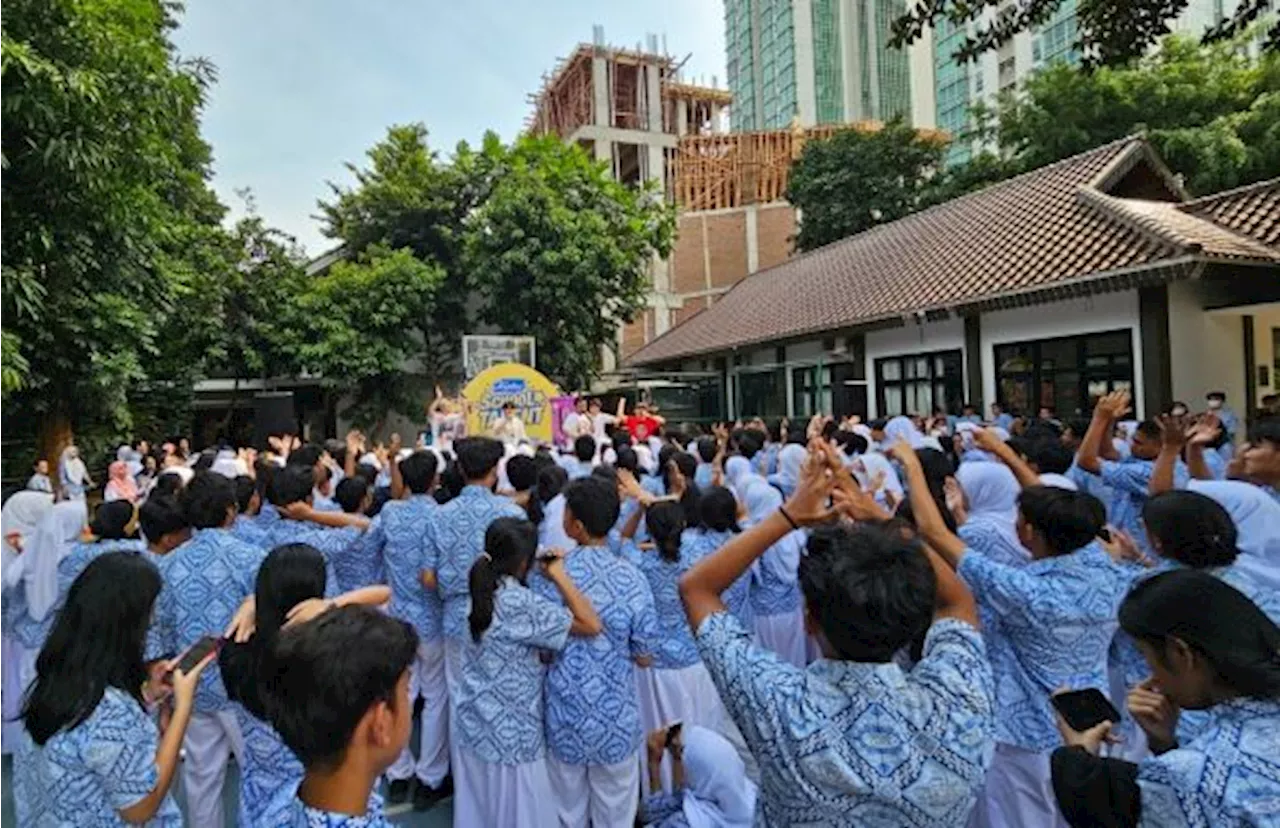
x: 1083, y: 709
x: 198, y: 652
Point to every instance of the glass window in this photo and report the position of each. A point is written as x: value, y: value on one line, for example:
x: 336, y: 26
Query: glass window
x: 915, y: 384
x: 1067, y: 374
x: 762, y: 394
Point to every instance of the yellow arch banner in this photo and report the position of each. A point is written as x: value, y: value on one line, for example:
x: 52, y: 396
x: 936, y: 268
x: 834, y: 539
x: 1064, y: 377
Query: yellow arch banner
x: 511, y: 382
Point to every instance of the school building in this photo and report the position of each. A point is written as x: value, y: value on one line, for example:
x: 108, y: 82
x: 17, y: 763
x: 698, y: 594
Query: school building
x: 1094, y: 273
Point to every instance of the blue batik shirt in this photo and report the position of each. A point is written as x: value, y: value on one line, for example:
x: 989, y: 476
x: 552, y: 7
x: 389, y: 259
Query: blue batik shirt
x: 406, y: 552
x: 269, y: 775
x: 31, y: 633
x: 1128, y: 480
x: 333, y: 543
x: 1228, y: 776
x: 593, y: 717
x: 362, y: 564
x: 676, y: 649
x: 1055, y: 618
x: 663, y: 810
x: 985, y: 539
x: 455, y: 538
x: 205, y: 581
x: 250, y: 530
x: 849, y: 743
x: 775, y: 589
x: 84, y: 776
x: 737, y: 598
x: 703, y: 475
x: 499, y: 706
x: 304, y: 816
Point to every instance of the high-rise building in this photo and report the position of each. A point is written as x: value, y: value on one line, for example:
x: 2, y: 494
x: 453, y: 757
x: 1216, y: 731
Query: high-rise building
x: 821, y: 61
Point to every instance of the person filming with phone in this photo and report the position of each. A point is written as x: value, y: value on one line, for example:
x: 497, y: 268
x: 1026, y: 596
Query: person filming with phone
x: 90, y: 753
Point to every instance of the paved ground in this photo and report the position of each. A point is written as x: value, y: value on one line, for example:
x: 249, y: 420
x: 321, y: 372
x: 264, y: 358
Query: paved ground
x: 440, y: 816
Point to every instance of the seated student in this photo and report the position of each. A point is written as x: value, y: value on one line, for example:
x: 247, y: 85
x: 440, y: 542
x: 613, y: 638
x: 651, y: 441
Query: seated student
x: 592, y: 714
x: 90, y: 753
x: 1053, y: 620
x: 1210, y: 649
x: 822, y: 734
x: 501, y: 747
x: 709, y: 783
x: 288, y: 590
x: 248, y: 504
x: 337, y: 693
x: 335, y: 534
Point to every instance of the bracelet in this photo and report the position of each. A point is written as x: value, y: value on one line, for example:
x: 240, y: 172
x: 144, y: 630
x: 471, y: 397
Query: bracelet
x: 782, y: 510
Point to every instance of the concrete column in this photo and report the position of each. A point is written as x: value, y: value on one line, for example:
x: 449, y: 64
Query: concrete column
x: 657, y: 163
x: 682, y: 117
x: 753, y: 238
x: 600, y: 98
x: 604, y: 152
x: 654, y: 97
x: 715, y: 117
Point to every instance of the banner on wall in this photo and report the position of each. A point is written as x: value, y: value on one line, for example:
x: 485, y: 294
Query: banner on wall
x: 512, y: 382
x: 561, y: 407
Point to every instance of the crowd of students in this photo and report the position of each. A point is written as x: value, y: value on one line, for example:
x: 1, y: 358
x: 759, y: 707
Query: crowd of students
x: 821, y: 623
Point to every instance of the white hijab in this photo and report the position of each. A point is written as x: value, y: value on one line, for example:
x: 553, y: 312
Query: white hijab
x: 53, y: 541
x: 21, y: 515
x: 718, y: 793
x: 72, y: 468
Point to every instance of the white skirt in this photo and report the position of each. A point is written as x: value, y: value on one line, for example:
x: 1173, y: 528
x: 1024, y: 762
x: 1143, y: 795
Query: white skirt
x: 1018, y: 792
x: 486, y: 794
x: 684, y: 695
x: 784, y: 634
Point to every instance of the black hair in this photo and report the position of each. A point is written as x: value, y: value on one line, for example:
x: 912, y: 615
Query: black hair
x: 337, y: 450
x: 326, y: 674
x: 205, y: 461
x: 1192, y: 529
x: 707, y: 448
x: 1050, y: 455
x: 937, y: 468
x: 627, y: 459
x: 369, y: 472
x: 97, y: 641
x: 1066, y: 520
x: 878, y: 425
x: 111, y: 520
x: 167, y: 483
x: 289, y: 575
x: 1149, y: 429
x: 869, y: 588
x: 307, y: 455
x: 852, y: 442
x: 620, y: 438
x: 746, y: 441
x: 718, y: 510
x: 688, y: 468
x: 1266, y: 430
x: 665, y: 454
x: 1076, y: 425
x: 292, y: 484
x: 594, y: 503
x: 350, y: 493
x: 509, y: 546
x: 584, y: 448
x: 1213, y: 618
x: 265, y: 472
x: 418, y: 471
x: 523, y: 474
x: 325, y: 474
x: 829, y: 429
x: 551, y: 480
x: 477, y: 456
x: 451, y: 482
x: 666, y: 523
x: 775, y: 431
x: 1216, y: 395
x: 208, y: 499
x: 160, y: 516
x: 1042, y: 429
x: 245, y: 488
x: 605, y: 474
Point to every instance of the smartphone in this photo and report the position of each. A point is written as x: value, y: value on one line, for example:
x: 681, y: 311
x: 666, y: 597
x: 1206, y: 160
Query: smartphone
x: 198, y: 652
x: 673, y: 732
x: 1083, y: 709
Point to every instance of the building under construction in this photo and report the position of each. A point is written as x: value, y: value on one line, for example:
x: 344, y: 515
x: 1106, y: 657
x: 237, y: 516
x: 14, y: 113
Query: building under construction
x: 632, y: 111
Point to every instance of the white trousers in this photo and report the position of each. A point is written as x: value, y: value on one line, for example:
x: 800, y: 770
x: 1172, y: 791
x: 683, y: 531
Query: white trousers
x: 211, y: 739
x: 784, y: 634
x: 427, y: 679
x: 599, y: 796
x: 1018, y: 792
x: 512, y: 796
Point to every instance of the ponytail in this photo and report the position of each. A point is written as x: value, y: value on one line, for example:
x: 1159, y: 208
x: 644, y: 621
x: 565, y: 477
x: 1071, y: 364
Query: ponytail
x: 666, y: 523
x: 509, y: 547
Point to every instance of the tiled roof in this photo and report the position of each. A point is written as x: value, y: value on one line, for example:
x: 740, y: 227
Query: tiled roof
x: 1253, y: 211
x: 1041, y: 231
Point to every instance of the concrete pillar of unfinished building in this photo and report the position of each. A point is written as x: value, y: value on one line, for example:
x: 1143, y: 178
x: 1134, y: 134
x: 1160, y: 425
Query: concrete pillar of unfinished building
x: 682, y: 117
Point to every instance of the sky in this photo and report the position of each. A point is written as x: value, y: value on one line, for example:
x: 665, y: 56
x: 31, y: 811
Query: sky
x: 304, y: 86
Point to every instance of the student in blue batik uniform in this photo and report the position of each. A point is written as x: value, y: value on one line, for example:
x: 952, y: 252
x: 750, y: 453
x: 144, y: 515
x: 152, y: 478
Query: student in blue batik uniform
x: 90, y: 753
x: 1210, y: 649
x: 707, y: 448
x: 775, y: 592
x: 289, y: 587
x: 1053, y: 621
x: 31, y: 605
x: 991, y: 498
x: 205, y: 581
x: 337, y: 692
x: 362, y: 564
x: 414, y: 599
x: 592, y: 718
x: 455, y: 538
x: 335, y: 534
x: 853, y: 739
x: 718, y: 511
x: 248, y: 504
x: 502, y: 776
x: 580, y: 463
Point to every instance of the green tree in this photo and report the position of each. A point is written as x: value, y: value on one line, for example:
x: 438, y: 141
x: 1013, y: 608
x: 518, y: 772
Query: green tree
x: 856, y: 179
x: 104, y: 171
x: 559, y: 250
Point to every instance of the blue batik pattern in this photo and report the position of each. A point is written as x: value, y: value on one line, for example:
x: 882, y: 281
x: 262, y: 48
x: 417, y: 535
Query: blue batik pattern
x: 333, y: 543
x: 499, y: 704
x: 775, y: 589
x: 404, y: 523
x: 593, y: 717
x: 269, y: 775
x: 663, y: 810
x: 362, y: 564
x: 250, y: 530
x: 205, y: 581
x: 82, y: 777
x: 987, y: 540
x: 1129, y: 480
x: 676, y: 649
x: 302, y: 816
x: 1228, y: 776
x: 455, y: 538
x: 847, y: 743
x: 1054, y: 618
x: 737, y: 598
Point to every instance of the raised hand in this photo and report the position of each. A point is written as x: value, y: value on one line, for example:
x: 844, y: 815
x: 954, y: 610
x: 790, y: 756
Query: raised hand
x: 808, y: 504
x: 1173, y: 430
x: 1205, y: 431
x: 1123, y: 549
x: 1155, y: 714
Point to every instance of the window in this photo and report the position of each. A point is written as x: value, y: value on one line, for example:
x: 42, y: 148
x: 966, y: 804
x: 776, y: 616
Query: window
x: 1067, y: 374
x: 916, y: 383
x: 762, y: 393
